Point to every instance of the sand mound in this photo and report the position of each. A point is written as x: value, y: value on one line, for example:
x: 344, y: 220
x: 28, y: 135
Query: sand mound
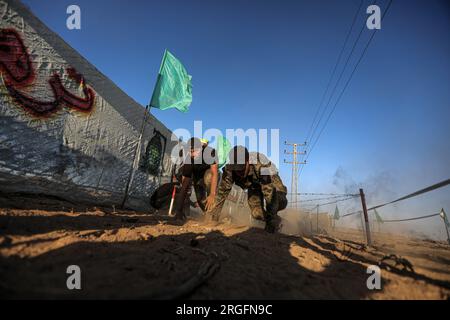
x: 133, y: 255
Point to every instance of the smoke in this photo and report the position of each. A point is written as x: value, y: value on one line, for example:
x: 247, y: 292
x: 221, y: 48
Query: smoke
x: 382, y: 187
x: 293, y: 222
x: 378, y: 187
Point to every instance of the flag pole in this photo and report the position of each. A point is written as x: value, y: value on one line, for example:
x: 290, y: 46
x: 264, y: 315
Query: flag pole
x: 153, y: 94
x: 157, y: 77
x: 139, y: 144
x: 136, y: 157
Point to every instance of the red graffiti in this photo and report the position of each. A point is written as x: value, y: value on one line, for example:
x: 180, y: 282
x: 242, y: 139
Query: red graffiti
x: 14, y: 58
x: 16, y: 64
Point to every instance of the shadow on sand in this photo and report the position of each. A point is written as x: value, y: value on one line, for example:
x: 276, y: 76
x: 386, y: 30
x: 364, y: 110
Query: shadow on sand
x: 252, y: 264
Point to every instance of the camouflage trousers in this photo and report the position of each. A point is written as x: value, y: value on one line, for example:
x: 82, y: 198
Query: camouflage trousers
x: 277, y: 201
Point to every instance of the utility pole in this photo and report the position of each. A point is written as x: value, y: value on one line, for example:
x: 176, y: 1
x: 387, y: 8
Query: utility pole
x: 295, y: 163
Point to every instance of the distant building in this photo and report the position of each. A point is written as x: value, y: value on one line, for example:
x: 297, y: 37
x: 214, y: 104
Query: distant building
x: 66, y: 129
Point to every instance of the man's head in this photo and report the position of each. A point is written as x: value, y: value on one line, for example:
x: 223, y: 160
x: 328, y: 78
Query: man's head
x: 195, y: 146
x: 204, y: 142
x: 239, y: 161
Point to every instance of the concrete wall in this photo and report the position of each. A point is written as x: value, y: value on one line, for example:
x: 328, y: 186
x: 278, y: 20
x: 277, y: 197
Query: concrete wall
x: 66, y: 129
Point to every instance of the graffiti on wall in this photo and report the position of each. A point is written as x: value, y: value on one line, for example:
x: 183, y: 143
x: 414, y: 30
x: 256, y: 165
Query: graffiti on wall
x: 17, y: 68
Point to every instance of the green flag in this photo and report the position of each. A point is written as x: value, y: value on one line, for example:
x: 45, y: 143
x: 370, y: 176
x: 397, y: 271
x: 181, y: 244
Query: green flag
x: 223, y: 148
x: 336, y: 213
x: 173, y: 88
x: 378, y: 217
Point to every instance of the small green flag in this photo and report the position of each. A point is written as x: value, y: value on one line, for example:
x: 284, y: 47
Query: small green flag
x: 336, y: 213
x: 223, y: 148
x: 377, y: 216
x: 173, y: 87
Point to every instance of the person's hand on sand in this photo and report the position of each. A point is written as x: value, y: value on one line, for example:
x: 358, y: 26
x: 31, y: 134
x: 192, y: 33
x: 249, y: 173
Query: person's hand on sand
x: 210, y: 202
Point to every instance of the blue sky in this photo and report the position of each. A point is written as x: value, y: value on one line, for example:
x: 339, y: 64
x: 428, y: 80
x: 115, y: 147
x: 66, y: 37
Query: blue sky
x: 265, y: 64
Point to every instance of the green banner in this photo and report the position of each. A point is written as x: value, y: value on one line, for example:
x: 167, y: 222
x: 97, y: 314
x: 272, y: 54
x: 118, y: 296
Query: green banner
x: 377, y: 216
x: 173, y: 87
x: 223, y: 148
x: 336, y: 213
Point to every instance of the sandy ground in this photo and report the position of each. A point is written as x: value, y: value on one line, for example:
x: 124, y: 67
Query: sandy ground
x: 127, y: 254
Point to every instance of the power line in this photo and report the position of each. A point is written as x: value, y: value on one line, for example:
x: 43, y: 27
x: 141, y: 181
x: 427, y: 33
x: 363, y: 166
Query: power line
x: 340, y: 200
x: 321, y: 199
x: 334, y: 70
x: 337, y: 82
x: 411, y: 195
x: 333, y: 202
x: 347, y: 83
x: 339, y: 78
x: 348, y: 80
x: 325, y: 194
x: 410, y: 219
x: 415, y: 194
x: 352, y: 213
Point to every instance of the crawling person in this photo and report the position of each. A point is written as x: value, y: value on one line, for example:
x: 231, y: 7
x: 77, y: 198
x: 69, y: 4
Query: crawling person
x: 201, y: 167
x: 256, y: 174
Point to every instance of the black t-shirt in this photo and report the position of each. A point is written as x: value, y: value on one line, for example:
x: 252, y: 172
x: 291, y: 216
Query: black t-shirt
x: 196, y: 168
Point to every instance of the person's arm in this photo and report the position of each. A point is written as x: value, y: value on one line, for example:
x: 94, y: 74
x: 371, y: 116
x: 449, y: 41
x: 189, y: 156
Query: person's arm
x: 273, y: 190
x: 222, y: 193
x: 212, y: 192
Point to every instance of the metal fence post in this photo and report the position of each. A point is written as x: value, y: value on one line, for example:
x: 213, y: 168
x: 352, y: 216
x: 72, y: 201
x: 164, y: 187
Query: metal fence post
x: 443, y: 216
x: 366, y: 217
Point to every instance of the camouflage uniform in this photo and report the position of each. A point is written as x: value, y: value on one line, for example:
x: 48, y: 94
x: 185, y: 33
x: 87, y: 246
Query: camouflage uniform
x: 263, y: 184
x: 200, y: 174
x: 201, y: 187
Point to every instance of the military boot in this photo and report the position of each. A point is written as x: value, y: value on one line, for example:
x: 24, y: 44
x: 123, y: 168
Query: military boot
x: 273, y: 224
